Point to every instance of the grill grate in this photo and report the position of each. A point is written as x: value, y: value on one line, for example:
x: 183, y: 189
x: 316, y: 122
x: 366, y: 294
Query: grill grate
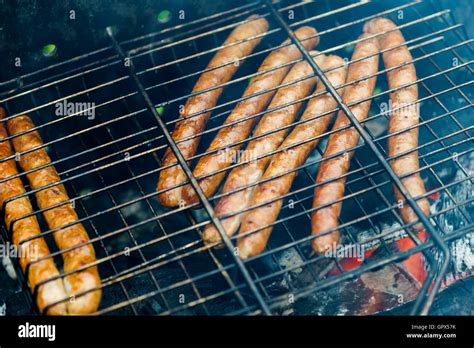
x: 151, y: 259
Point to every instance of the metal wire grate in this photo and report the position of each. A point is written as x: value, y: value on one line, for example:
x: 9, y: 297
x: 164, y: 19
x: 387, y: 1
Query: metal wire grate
x: 151, y: 259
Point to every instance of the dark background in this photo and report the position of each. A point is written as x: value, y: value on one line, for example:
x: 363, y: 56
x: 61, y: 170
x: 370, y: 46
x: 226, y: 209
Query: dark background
x: 28, y: 25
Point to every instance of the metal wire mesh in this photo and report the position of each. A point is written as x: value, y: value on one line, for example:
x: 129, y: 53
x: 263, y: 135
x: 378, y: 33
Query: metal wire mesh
x: 151, y: 259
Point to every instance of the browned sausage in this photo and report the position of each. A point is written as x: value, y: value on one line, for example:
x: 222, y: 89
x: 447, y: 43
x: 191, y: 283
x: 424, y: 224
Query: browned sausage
x: 405, y: 117
x: 24, y: 228
x: 293, y: 152
x: 250, y: 173
x: 230, y: 135
x: 173, y: 176
x: 57, y: 217
x: 324, y: 219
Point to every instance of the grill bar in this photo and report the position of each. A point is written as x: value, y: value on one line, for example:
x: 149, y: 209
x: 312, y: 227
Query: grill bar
x: 347, y: 275
x: 259, y: 114
x: 61, y: 139
x: 321, y: 33
x: 93, y: 160
x: 434, y: 234
x: 153, y: 194
x: 306, y: 212
x: 97, y: 169
x: 188, y: 172
x: 324, y: 285
x: 107, y: 48
x: 295, y: 123
x: 131, y: 55
x: 389, y: 208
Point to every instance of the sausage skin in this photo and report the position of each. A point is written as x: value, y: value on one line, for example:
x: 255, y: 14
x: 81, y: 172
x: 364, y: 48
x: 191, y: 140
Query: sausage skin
x: 294, y: 151
x: 57, y: 217
x: 251, y: 172
x: 24, y: 228
x: 324, y: 219
x: 405, y: 117
x: 230, y: 135
x: 175, y: 175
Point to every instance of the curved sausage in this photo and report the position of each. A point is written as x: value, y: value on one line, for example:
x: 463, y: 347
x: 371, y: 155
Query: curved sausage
x: 230, y: 135
x: 173, y: 176
x: 405, y: 117
x: 57, y: 217
x: 294, y: 151
x: 250, y: 173
x: 24, y: 228
x: 324, y: 219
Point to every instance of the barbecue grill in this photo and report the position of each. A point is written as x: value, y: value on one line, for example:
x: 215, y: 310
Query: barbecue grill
x: 152, y: 259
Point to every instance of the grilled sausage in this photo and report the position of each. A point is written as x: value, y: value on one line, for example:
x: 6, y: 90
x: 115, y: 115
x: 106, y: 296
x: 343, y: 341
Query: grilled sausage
x: 324, y: 219
x: 173, y: 176
x: 405, y: 117
x: 292, y: 153
x: 250, y: 173
x: 24, y: 228
x: 68, y: 237
x: 228, y: 136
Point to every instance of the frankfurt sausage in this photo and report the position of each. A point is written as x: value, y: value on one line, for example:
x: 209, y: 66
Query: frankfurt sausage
x: 57, y: 217
x: 228, y: 136
x: 290, y: 156
x: 24, y: 228
x: 173, y: 176
x: 324, y: 219
x: 405, y: 116
x: 251, y: 172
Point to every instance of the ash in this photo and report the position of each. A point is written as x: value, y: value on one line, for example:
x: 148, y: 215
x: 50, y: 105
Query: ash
x: 454, y: 219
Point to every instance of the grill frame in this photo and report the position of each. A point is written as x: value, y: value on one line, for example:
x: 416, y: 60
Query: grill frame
x: 252, y: 281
